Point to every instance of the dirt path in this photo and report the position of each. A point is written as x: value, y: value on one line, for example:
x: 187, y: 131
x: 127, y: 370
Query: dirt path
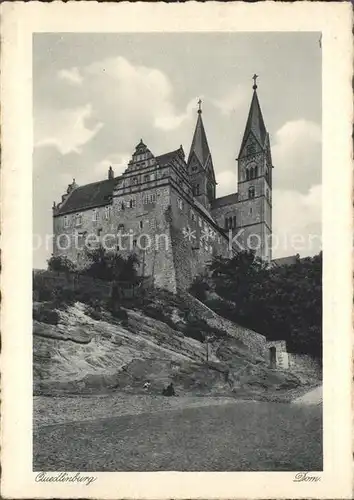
x: 313, y: 397
x: 64, y: 409
x: 245, y: 436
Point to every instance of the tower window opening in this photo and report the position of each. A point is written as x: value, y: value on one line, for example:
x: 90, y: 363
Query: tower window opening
x: 247, y: 175
x: 251, y: 192
x: 141, y: 224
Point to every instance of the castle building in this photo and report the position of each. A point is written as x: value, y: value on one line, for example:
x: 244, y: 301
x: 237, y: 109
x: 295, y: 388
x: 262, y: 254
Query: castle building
x: 164, y: 208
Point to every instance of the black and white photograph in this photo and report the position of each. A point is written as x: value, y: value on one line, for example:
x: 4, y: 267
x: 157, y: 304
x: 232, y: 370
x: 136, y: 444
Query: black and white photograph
x: 177, y: 282
x: 176, y: 250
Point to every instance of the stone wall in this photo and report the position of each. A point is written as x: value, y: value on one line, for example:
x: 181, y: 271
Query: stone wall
x: 304, y: 364
x: 195, y: 239
x: 255, y: 341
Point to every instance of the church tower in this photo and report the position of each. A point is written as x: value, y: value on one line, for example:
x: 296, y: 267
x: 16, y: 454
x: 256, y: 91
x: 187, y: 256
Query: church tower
x: 255, y: 183
x: 200, y: 165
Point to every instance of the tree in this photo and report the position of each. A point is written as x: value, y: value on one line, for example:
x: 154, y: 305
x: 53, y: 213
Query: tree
x: 111, y: 266
x: 61, y: 263
x: 282, y: 303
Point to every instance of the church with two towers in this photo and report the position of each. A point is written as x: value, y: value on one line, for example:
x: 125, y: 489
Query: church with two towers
x: 164, y: 208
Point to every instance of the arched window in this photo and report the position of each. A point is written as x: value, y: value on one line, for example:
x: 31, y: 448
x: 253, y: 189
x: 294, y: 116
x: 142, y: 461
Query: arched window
x: 226, y: 223
x: 230, y: 222
x: 256, y: 172
x: 247, y: 175
x: 251, y: 192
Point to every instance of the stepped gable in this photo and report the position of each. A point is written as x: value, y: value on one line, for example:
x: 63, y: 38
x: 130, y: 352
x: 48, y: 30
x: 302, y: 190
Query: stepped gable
x: 100, y: 193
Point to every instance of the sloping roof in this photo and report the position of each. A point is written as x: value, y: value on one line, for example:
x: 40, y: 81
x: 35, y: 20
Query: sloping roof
x: 200, y: 145
x: 255, y: 122
x: 285, y: 261
x: 204, y: 210
x: 166, y: 158
x: 88, y: 196
x: 99, y: 193
x: 225, y: 200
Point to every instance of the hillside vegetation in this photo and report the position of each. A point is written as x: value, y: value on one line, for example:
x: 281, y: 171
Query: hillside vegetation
x: 82, y: 348
x: 282, y: 303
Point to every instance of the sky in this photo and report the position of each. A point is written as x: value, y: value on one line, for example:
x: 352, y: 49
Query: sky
x: 96, y: 95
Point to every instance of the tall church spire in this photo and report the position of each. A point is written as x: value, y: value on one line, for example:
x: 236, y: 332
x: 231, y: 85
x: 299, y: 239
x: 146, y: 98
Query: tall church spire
x: 200, y: 145
x: 200, y: 164
x: 255, y: 123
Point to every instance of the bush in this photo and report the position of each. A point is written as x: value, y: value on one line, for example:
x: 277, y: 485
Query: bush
x: 42, y: 290
x: 61, y: 264
x: 93, y: 313
x: 199, y: 288
x: 46, y: 314
x: 119, y: 313
x: 156, y: 313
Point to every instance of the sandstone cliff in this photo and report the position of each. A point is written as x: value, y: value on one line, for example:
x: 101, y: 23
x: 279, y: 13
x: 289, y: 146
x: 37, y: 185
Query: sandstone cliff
x: 86, y: 353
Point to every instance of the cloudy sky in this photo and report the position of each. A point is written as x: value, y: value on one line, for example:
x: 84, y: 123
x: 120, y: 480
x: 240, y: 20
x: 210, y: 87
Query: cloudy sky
x: 96, y: 95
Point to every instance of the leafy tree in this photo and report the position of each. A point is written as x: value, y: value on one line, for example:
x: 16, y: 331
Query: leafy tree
x: 282, y: 303
x: 111, y: 266
x: 61, y: 263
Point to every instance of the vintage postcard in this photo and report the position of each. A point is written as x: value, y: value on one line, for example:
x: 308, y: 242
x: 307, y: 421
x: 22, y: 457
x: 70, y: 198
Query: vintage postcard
x: 176, y: 249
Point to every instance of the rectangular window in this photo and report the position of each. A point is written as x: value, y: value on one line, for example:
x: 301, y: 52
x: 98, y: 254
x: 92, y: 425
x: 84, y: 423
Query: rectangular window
x: 78, y: 220
x: 192, y: 215
x: 180, y: 203
x: 107, y: 212
x: 141, y: 224
x: 150, y: 198
x: 66, y: 221
x: 95, y: 215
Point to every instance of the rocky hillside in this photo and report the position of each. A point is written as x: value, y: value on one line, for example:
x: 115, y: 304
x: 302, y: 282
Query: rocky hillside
x: 81, y: 350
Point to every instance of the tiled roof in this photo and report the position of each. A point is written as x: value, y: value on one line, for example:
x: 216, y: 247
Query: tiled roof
x: 166, y: 158
x: 225, y: 200
x: 88, y: 196
x: 99, y: 193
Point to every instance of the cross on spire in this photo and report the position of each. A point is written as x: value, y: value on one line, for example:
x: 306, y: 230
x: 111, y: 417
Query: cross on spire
x: 254, y: 78
x: 199, y: 106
